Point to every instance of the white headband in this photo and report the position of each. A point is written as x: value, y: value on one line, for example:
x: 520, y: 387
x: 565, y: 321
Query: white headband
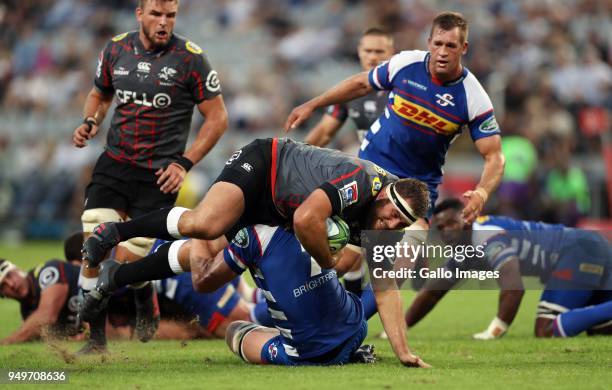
x: 6, y: 267
x: 400, y: 204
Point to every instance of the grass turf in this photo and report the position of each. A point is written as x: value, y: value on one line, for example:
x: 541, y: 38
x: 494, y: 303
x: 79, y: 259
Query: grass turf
x: 442, y: 339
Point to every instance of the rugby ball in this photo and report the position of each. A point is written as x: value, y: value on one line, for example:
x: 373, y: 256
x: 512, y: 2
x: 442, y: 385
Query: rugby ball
x: 338, y: 234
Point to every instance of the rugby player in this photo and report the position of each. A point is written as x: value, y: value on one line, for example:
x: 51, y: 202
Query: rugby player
x: 48, y: 296
x: 434, y: 97
x: 375, y: 46
x: 276, y: 182
x: 157, y: 78
x: 575, y: 266
x: 315, y: 321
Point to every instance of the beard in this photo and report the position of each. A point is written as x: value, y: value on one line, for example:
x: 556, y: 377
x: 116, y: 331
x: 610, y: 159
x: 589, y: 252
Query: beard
x: 372, y: 216
x: 155, y: 41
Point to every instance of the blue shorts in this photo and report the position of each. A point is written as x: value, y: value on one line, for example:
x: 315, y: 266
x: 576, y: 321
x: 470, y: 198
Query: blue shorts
x: 585, y: 262
x: 210, y: 308
x: 582, y: 275
x: 273, y: 352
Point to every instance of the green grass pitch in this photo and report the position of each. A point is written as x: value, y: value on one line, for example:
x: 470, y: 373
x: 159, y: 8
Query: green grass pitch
x: 442, y: 339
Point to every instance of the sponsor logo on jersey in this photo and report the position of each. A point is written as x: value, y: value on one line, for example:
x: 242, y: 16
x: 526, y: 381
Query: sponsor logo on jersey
x: 379, y: 170
x: 445, y: 100
x: 48, y: 277
x: 166, y: 73
x: 192, y: 47
x: 212, y: 81
x: 376, y: 186
x: 160, y: 100
x: 121, y: 71
x: 591, y: 268
x: 119, y: 37
x: 247, y: 167
x: 415, y: 84
x: 489, y: 126
x: 423, y: 116
x: 143, y: 69
x: 234, y: 157
x: 314, y: 283
x: 241, y: 238
x: 349, y: 194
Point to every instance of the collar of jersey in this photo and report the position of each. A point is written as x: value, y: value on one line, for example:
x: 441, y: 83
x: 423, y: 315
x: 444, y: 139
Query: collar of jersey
x: 464, y: 73
x: 156, y: 52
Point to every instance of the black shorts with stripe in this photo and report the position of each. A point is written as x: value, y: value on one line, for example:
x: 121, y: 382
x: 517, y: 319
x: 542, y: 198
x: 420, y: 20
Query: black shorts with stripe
x: 123, y: 187
x: 250, y: 169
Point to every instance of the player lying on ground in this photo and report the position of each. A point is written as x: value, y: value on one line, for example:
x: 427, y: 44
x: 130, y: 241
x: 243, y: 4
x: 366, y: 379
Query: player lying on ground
x: 276, y: 182
x: 48, y: 297
x: 313, y: 319
x: 575, y: 265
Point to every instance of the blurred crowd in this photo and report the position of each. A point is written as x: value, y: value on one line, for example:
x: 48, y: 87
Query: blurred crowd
x: 545, y: 64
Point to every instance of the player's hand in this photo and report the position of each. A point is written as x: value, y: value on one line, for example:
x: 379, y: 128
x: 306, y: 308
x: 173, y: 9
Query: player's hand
x: 411, y: 360
x: 298, y: 116
x: 171, y: 178
x: 82, y: 134
x: 475, y: 203
x: 496, y: 329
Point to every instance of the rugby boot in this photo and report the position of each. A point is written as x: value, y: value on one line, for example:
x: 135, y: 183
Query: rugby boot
x: 147, y: 312
x: 97, y: 299
x: 104, y: 237
x: 363, y: 354
x: 96, y: 344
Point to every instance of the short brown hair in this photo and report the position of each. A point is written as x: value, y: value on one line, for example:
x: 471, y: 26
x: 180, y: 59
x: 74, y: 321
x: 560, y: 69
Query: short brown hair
x: 448, y: 21
x: 377, y: 31
x: 416, y: 193
x: 141, y: 3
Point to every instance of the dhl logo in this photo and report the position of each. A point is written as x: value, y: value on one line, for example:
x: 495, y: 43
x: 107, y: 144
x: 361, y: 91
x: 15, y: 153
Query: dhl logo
x: 422, y: 116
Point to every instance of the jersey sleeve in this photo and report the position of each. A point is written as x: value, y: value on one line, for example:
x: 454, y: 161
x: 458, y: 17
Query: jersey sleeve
x: 379, y: 77
x: 338, y: 111
x: 382, y: 77
x: 353, y: 187
x: 482, y: 122
x: 51, y: 273
x: 243, y: 251
x: 204, y: 80
x: 104, y: 79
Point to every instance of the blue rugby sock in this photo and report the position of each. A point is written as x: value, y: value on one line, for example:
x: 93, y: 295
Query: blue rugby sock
x: 573, y: 322
x: 368, y: 302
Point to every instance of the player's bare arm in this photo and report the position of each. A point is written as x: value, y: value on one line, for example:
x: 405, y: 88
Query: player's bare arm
x: 349, y: 89
x: 211, y: 273
x: 52, y: 300
x: 426, y: 300
x: 348, y: 258
x: 324, y: 131
x: 309, y: 225
x: 510, y: 297
x: 493, y: 170
x: 95, y: 109
x: 389, y: 303
x: 213, y: 128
